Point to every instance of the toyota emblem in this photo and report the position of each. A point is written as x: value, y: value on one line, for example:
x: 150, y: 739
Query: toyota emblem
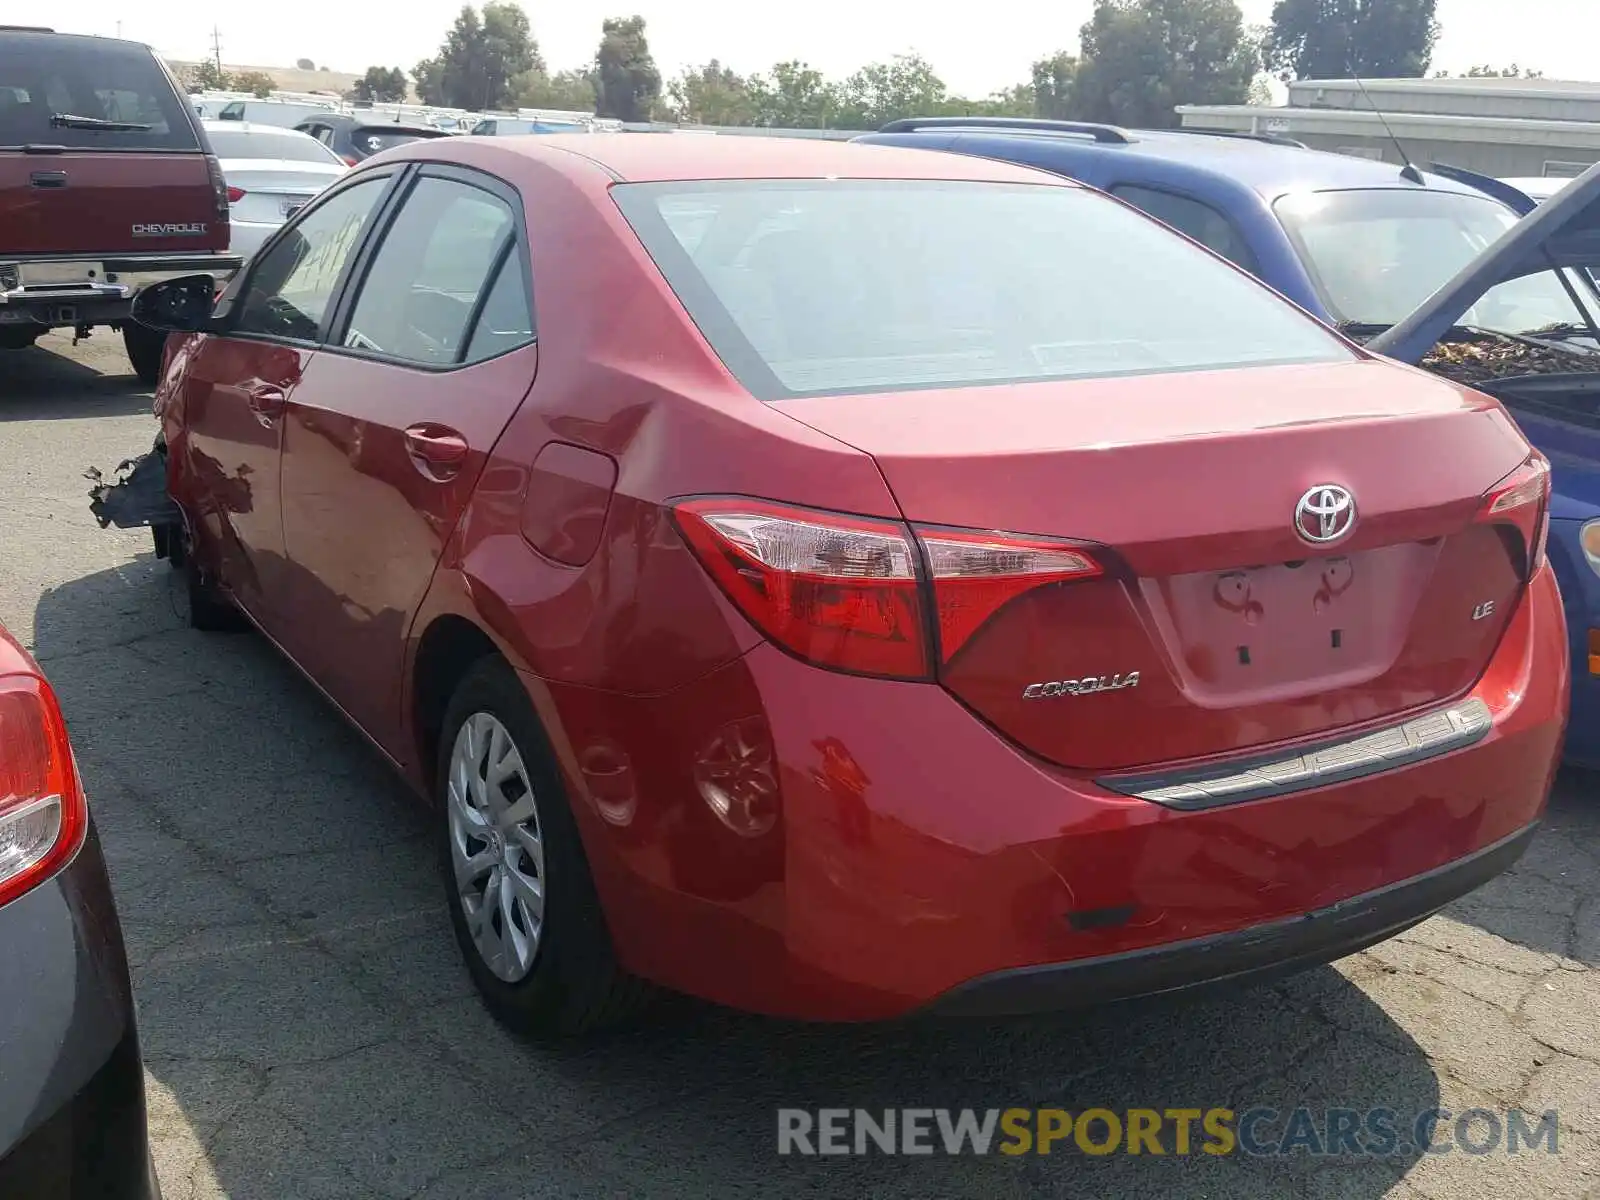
x: 1325, y: 514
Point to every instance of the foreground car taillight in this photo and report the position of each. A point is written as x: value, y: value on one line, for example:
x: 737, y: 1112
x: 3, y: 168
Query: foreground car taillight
x: 1522, y: 499
x: 43, y: 816
x: 852, y: 593
x: 219, y: 186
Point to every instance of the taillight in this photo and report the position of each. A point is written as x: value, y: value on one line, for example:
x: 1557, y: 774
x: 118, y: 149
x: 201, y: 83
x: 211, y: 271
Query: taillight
x: 851, y: 593
x: 974, y: 574
x: 350, y: 160
x: 235, y: 194
x: 1522, y: 499
x: 219, y: 186
x: 43, y: 816
x: 839, y: 591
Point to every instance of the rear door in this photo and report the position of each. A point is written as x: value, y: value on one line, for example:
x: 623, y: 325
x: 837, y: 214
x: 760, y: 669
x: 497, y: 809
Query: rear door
x: 390, y: 426
x: 238, y: 387
x: 99, y: 153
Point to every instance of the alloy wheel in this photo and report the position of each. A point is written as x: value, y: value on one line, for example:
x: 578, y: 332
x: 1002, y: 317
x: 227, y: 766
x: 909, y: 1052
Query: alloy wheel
x: 496, y: 847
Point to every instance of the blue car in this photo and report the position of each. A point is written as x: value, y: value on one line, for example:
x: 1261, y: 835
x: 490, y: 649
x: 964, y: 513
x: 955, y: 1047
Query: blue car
x: 1399, y: 258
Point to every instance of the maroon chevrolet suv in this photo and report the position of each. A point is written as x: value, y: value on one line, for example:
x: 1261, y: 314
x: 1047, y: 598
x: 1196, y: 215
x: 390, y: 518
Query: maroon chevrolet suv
x: 107, y: 184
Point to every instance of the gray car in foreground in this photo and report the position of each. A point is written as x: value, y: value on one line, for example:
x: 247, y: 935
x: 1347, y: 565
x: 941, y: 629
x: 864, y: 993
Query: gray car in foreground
x: 72, y: 1108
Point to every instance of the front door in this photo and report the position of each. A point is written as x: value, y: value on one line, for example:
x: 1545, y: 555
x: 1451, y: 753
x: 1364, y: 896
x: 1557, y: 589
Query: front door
x: 386, y: 435
x: 237, y: 389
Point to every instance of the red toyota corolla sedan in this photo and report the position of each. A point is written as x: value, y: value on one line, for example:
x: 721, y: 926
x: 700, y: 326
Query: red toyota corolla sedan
x: 840, y: 580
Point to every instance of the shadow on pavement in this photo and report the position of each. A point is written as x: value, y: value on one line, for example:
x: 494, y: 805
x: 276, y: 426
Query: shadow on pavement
x: 37, y: 384
x: 309, y: 1031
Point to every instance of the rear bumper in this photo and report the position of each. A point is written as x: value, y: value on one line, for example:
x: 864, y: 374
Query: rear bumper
x: 915, y: 850
x: 92, y: 290
x: 72, y: 1108
x: 1261, y: 952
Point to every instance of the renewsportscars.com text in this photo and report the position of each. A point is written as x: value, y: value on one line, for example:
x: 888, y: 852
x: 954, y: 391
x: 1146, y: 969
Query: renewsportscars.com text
x: 1376, y: 1132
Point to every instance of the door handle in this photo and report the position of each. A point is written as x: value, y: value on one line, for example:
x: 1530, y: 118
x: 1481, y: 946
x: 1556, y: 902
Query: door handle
x: 438, y: 452
x: 48, y: 179
x: 266, y: 402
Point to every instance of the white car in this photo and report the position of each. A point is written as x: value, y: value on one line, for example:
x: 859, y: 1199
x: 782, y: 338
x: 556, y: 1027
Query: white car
x: 270, y: 173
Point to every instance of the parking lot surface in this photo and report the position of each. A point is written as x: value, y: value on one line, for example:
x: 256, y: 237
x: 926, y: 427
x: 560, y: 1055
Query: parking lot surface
x: 309, y: 1033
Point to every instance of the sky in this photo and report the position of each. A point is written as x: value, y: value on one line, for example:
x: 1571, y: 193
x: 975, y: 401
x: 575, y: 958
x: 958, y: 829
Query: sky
x: 1557, y: 37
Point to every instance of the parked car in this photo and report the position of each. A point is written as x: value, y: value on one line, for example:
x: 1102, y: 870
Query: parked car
x: 270, y: 172
x: 106, y: 185
x: 909, y: 581
x: 516, y: 126
x: 1361, y: 245
x: 72, y: 1111
x: 354, y: 138
x: 286, y: 114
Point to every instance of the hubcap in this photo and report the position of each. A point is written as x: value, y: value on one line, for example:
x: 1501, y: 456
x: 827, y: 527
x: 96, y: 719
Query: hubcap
x: 496, y: 847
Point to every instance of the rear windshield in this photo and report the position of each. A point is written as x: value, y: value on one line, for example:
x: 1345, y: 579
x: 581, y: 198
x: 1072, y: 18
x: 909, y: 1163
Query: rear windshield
x: 273, y: 144
x: 808, y: 288
x: 370, y: 140
x: 47, y: 81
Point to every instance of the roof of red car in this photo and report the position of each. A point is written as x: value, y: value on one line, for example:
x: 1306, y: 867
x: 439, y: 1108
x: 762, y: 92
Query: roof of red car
x: 641, y: 158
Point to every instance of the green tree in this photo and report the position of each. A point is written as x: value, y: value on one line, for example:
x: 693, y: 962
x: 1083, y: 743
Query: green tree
x: 1052, y: 85
x: 905, y: 86
x: 257, y: 83
x: 304, y: 64
x: 793, y: 96
x: 479, y: 58
x: 1141, y: 58
x: 1335, y: 39
x: 565, y: 91
x: 627, y: 83
x: 380, y: 85
x: 207, y: 76
x: 712, y: 95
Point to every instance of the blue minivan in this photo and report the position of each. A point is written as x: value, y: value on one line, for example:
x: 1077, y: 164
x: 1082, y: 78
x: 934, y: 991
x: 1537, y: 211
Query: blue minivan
x: 1438, y: 268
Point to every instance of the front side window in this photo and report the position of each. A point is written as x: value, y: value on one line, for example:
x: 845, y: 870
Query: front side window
x: 825, y: 287
x: 1375, y: 255
x: 436, y: 259
x: 1192, y: 218
x: 288, y: 292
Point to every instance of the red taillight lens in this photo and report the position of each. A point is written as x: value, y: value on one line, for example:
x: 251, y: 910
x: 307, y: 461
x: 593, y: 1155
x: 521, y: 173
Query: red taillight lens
x: 350, y: 160
x: 974, y: 574
x: 42, y: 812
x: 235, y: 194
x: 839, y: 591
x: 1522, y: 499
x: 219, y: 186
x: 850, y: 593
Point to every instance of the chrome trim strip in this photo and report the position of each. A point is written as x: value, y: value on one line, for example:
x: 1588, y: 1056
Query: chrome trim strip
x: 1420, y: 738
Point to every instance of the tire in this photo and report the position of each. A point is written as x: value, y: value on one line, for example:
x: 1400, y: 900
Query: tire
x: 570, y: 983
x: 144, y: 346
x: 210, y: 611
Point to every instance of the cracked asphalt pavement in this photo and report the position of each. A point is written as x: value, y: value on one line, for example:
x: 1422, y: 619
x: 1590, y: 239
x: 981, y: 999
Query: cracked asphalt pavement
x: 309, y: 1033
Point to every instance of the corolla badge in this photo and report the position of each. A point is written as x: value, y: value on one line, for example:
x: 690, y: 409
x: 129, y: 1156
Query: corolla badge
x: 1086, y: 686
x: 1326, y: 513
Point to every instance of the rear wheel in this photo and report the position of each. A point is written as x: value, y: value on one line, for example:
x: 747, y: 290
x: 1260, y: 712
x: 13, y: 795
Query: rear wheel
x: 144, y: 347
x: 522, y: 900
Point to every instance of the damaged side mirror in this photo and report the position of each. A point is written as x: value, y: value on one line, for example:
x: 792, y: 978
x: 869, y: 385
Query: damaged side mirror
x: 178, y: 305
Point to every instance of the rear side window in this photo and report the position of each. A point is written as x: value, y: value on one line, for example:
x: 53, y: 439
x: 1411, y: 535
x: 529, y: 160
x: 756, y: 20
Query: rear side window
x: 88, y: 94
x: 827, y: 287
x: 280, y: 146
x: 436, y: 259
x: 1193, y: 218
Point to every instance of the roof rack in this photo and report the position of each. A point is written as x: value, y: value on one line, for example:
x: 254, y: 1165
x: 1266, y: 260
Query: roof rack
x: 1108, y: 134
x: 1272, y: 139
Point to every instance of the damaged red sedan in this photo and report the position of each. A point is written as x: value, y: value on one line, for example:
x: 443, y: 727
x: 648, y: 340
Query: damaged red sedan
x: 841, y: 580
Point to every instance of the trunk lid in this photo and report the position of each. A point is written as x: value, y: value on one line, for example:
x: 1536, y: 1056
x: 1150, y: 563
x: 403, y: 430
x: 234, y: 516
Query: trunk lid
x: 1564, y: 231
x: 273, y: 190
x: 1215, y: 627
x: 94, y: 203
